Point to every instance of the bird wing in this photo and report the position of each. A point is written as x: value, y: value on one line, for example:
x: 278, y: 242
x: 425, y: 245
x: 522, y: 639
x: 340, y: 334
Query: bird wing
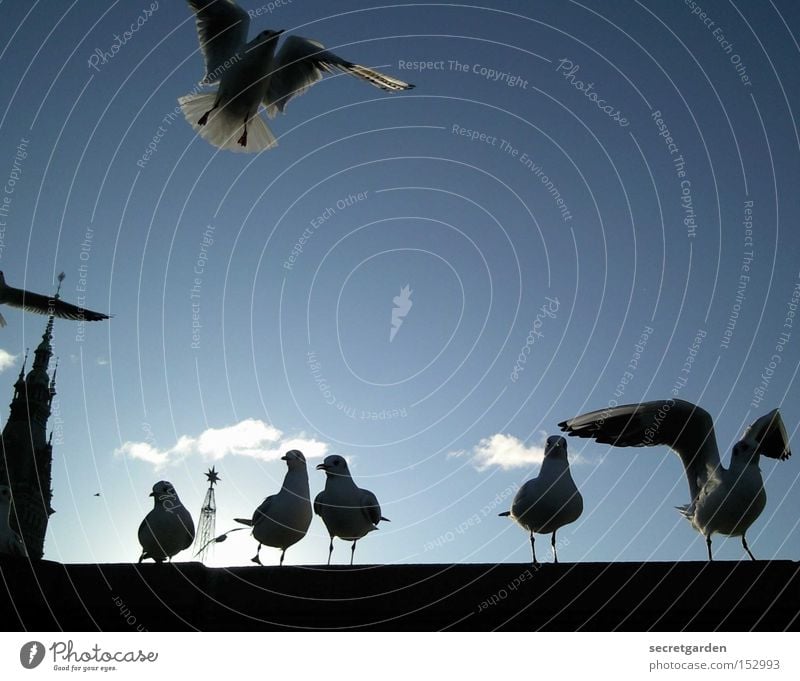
x: 261, y: 511
x: 222, y: 28
x: 370, y: 506
x: 35, y: 302
x: 319, y: 503
x: 301, y: 62
x: 770, y: 432
x: 682, y: 426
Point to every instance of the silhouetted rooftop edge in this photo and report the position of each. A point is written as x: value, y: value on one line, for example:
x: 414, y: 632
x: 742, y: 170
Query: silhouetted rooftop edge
x: 692, y: 596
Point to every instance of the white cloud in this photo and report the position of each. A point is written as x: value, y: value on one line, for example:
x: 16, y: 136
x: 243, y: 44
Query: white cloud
x: 6, y: 360
x: 251, y: 437
x: 505, y: 451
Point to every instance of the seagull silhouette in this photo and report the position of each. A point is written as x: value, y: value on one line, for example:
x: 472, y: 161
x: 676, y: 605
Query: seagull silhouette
x: 722, y: 500
x: 551, y: 500
x: 252, y: 75
x: 35, y: 302
x: 348, y: 511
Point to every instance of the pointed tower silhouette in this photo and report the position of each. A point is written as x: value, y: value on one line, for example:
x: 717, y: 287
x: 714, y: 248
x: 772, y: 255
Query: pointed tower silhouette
x: 27, y: 454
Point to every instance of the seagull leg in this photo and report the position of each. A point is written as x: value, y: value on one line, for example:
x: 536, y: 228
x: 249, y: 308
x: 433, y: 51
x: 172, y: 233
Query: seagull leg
x: 533, y: 549
x: 204, y: 118
x: 243, y: 138
x: 353, y: 551
x: 747, y: 548
x: 553, y: 544
x: 330, y: 551
x: 257, y: 557
x: 283, y: 553
x: 708, y: 545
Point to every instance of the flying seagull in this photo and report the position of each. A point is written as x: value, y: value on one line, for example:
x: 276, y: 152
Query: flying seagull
x: 348, y: 512
x: 168, y: 529
x: 551, y: 500
x: 252, y: 75
x: 721, y: 500
x: 35, y: 302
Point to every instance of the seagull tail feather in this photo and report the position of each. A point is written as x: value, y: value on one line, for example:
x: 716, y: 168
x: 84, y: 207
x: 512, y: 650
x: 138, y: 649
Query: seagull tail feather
x: 687, y: 511
x: 222, y: 129
x: 244, y: 521
x: 504, y: 514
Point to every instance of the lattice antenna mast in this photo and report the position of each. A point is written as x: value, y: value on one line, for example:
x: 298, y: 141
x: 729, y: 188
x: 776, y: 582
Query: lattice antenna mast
x: 208, y: 518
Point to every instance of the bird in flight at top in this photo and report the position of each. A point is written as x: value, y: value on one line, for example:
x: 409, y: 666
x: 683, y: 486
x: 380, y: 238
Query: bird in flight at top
x: 35, y: 302
x: 251, y: 75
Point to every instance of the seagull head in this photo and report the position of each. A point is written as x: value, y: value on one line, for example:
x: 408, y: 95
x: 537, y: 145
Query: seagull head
x: 556, y: 447
x: 334, y: 465
x: 268, y: 38
x: 294, y: 459
x: 163, y: 489
x: 745, y: 453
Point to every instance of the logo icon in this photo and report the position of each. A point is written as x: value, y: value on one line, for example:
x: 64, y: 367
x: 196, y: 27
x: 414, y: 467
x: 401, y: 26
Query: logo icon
x: 31, y: 654
x: 402, y: 305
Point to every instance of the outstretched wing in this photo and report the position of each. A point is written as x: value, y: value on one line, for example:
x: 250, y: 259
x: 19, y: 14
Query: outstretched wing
x: 370, y: 506
x: 682, y: 426
x: 35, y: 302
x: 222, y: 29
x: 302, y: 62
x: 770, y: 434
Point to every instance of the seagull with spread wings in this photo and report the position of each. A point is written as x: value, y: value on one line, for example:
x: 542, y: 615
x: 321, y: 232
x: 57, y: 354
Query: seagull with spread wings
x: 35, y: 302
x: 722, y: 500
x: 251, y: 75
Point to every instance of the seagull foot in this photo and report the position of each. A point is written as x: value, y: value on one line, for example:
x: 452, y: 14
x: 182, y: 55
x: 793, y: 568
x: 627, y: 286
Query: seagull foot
x: 256, y: 559
x: 204, y: 118
x: 243, y: 139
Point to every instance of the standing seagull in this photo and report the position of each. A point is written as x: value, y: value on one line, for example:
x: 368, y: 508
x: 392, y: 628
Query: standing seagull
x: 348, y: 512
x: 722, y: 500
x: 251, y: 75
x: 35, y: 302
x: 10, y: 542
x: 168, y: 529
x: 551, y: 500
x: 283, y: 518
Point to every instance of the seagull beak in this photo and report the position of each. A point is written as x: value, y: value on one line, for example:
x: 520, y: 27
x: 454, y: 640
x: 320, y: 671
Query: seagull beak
x: 284, y: 458
x: 152, y: 494
x: 322, y: 467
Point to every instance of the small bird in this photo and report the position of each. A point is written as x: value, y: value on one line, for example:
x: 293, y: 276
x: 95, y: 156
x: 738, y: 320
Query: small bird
x: 35, y: 302
x: 251, y: 75
x: 726, y: 501
x: 348, y: 512
x: 10, y: 542
x: 168, y: 529
x: 551, y: 500
x: 283, y: 518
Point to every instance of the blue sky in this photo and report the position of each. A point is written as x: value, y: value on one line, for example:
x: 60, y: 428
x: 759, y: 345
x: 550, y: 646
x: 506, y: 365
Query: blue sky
x: 521, y: 215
